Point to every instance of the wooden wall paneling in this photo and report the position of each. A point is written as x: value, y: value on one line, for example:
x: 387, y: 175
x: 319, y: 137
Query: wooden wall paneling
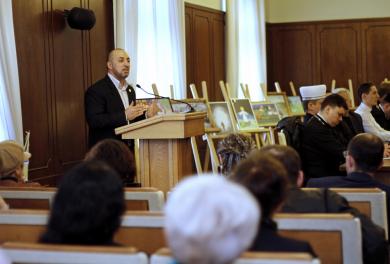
x: 291, y: 55
x: 218, y: 33
x: 375, y: 50
x: 189, y: 25
x: 31, y: 22
x: 338, y: 55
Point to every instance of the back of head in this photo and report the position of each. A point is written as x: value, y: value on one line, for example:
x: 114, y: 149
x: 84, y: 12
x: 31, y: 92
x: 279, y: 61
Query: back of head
x: 232, y: 149
x: 364, y: 88
x: 334, y: 100
x: 384, y: 89
x: 288, y: 156
x: 87, y: 207
x: 367, y: 151
x: 12, y: 156
x: 210, y: 220
x: 265, y: 177
x: 117, y: 155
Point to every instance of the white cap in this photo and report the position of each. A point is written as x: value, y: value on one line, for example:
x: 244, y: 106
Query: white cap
x: 313, y: 92
x: 209, y: 219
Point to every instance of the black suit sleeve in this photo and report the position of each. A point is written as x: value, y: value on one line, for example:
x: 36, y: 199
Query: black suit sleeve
x: 96, y: 108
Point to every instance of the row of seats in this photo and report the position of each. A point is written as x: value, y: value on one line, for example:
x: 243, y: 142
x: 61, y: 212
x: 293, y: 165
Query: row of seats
x: 336, y: 238
x: 58, y: 254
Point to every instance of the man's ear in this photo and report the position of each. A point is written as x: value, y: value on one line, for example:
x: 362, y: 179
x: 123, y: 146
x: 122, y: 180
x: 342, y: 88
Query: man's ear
x: 349, y: 162
x: 109, y: 65
x: 300, y: 179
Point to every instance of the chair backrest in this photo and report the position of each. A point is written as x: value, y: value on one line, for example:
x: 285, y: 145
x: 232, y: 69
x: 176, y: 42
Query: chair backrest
x: 164, y: 256
x: 28, y: 197
x: 63, y: 254
x: 144, y: 199
x: 336, y: 238
x: 369, y: 201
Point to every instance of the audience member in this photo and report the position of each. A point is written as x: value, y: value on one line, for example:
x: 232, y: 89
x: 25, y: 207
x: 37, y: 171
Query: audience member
x: 312, y: 97
x: 118, y: 156
x: 232, y: 149
x: 12, y: 157
x: 352, y: 123
x: 266, y: 178
x: 87, y: 207
x: 368, y: 95
x: 325, y: 201
x: 365, y: 156
x: 321, y: 146
x: 381, y: 111
x: 210, y: 220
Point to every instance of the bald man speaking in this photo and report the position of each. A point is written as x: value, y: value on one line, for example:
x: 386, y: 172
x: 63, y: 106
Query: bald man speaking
x: 111, y: 101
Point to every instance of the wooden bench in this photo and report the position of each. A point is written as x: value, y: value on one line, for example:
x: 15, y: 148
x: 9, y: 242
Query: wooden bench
x: 66, y: 254
x: 336, y: 238
x: 164, y: 256
x: 137, y: 199
x: 369, y: 201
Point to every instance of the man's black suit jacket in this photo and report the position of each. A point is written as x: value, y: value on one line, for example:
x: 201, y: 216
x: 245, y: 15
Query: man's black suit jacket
x: 380, y: 117
x: 104, y: 110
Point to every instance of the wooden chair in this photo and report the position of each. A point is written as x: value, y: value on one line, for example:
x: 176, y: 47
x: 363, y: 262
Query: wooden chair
x: 336, y: 238
x: 164, y: 256
x: 28, y: 197
x: 66, y: 254
x: 144, y: 199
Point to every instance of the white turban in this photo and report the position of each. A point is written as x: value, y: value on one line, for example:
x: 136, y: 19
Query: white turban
x: 210, y: 219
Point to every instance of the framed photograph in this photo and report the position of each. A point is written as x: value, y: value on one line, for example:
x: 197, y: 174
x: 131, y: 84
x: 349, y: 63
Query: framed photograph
x: 266, y: 113
x: 164, y: 104
x: 281, y: 102
x: 222, y: 119
x: 200, y: 105
x: 245, y: 117
x: 296, y: 106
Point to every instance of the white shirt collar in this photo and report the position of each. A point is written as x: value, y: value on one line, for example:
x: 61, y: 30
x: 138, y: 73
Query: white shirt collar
x: 117, y: 83
x: 364, y: 107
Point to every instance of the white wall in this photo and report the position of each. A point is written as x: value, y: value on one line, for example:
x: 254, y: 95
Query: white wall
x: 278, y: 11
x: 214, y: 4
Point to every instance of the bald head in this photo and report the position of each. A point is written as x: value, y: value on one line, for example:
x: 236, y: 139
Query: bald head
x: 367, y: 152
x: 118, y: 64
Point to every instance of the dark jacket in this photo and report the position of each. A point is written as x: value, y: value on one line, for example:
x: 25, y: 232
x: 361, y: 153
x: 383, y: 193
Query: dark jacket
x: 350, y: 126
x: 326, y: 201
x: 306, y: 118
x: 104, y: 110
x: 380, y: 117
x: 321, y: 149
x: 267, y: 239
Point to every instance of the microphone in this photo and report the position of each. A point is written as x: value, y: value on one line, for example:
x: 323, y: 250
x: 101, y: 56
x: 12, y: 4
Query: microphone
x: 192, y: 109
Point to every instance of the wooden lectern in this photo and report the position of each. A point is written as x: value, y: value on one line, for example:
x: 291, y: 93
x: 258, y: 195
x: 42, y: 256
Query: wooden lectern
x: 165, y: 153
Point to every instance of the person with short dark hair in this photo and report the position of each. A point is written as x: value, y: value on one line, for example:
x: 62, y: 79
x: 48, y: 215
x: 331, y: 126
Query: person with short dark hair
x: 325, y: 201
x: 364, y: 158
x: 266, y: 178
x: 118, y: 156
x: 232, y: 149
x: 321, y: 146
x: 87, y: 207
x: 381, y: 111
x: 368, y: 95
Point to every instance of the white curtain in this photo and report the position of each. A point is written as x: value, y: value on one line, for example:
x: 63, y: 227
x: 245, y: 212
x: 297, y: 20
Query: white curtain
x: 10, y: 104
x: 246, y: 51
x: 152, y: 32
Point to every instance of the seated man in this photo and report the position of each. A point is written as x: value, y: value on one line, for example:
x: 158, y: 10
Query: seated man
x: 321, y: 147
x: 325, y: 201
x: 266, y: 178
x: 368, y: 95
x: 381, y: 111
x: 118, y: 156
x: 209, y: 219
x: 12, y: 157
x: 365, y: 156
x: 312, y: 97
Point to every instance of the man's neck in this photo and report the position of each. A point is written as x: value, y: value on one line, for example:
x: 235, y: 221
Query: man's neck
x: 122, y: 82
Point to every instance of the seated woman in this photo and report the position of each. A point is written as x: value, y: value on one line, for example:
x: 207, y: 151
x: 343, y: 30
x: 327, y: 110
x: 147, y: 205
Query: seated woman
x: 266, y: 178
x: 232, y: 149
x: 87, y: 207
x: 209, y: 219
x: 12, y: 157
x: 118, y: 156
